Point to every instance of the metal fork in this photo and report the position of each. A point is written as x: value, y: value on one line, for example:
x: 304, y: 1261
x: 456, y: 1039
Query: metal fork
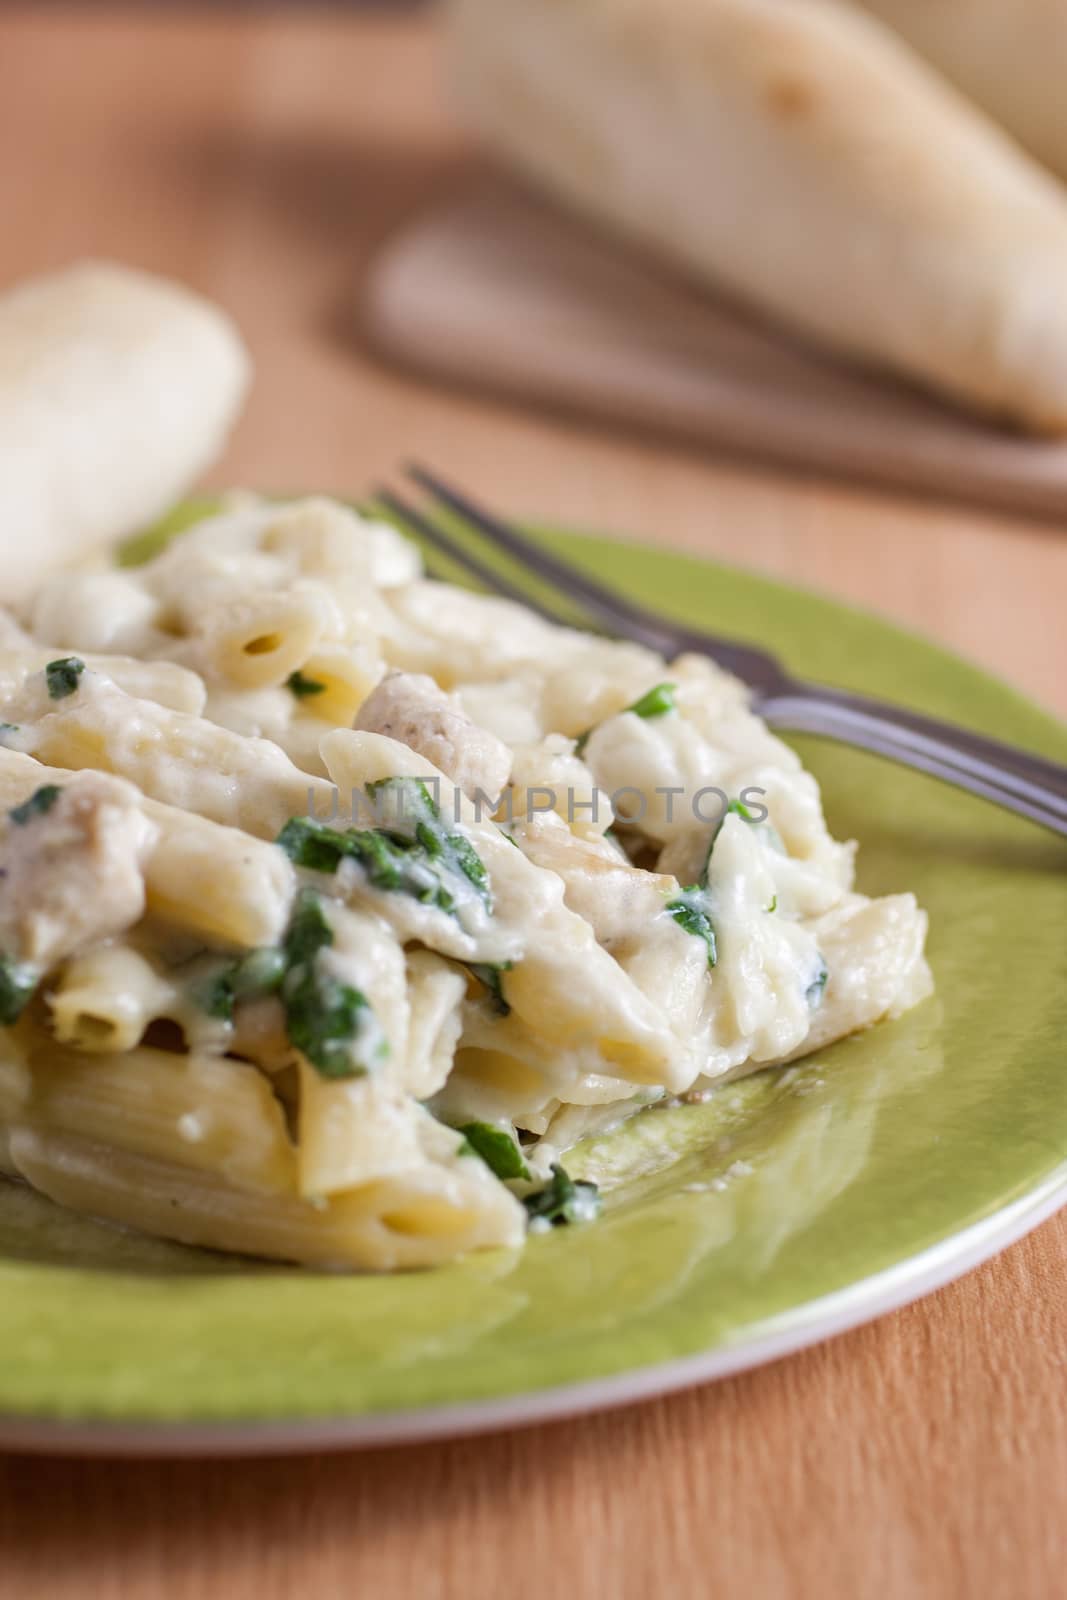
x: 1012, y: 778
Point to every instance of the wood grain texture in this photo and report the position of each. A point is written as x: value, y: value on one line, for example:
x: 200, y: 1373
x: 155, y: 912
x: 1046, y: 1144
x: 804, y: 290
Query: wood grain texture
x: 263, y: 158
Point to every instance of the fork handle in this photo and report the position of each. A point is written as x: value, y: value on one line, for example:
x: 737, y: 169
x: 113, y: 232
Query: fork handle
x: 1015, y: 779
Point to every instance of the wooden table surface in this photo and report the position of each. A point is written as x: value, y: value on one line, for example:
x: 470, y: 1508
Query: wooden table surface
x: 261, y: 156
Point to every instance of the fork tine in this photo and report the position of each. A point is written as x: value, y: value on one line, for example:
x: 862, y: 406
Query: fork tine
x: 470, y: 563
x: 1016, y: 779
x: 612, y: 609
x: 615, y: 614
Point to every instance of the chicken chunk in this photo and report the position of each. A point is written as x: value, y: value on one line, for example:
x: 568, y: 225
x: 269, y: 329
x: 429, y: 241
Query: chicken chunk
x: 70, y: 868
x: 409, y: 707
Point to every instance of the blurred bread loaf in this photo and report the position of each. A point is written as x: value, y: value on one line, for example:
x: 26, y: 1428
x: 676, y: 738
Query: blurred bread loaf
x: 797, y: 153
x: 116, y: 390
x: 1008, y: 56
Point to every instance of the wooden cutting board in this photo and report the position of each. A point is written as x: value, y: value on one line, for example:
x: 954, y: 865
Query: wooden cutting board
x: 495, y: 288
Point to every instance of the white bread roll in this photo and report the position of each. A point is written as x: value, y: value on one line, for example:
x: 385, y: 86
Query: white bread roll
x: 116, y: 390
x: 797, y: 153
x: 1009, y: 56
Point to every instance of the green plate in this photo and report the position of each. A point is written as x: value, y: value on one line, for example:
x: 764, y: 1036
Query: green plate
x: 785, y: 1209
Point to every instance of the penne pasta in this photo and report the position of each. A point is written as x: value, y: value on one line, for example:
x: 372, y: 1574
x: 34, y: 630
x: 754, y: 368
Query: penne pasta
x: 257, y: 642
x: 104, y: 1002
x: 205, y: 1112
x: 23, y: 688
x: 182, y: 760
x: 418, y: 1219
x: 337, y: 904
x: 530, y: 926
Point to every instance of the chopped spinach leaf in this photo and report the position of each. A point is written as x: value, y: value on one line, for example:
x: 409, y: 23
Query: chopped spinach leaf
x: 418, y: 815
x: 471, y: 865
x: 41, y: 801
x: 563, y: 1199
x: 414, y: 805
x: 404, y: 867
x: 411, y: 852
x: 17, y: 984
x: 259, y: 972
x: 331, y: 1023
x: 62, y: 676
x: 692, y: 912
x: 736, y: 808
x: 816, y: 989
x: 309, y: 931
x: 314, y: 845
x: 490, y: 973
x: 214, y: 995
x: 655, y: 703
x: 303, y: 687
x: 497, y: 1149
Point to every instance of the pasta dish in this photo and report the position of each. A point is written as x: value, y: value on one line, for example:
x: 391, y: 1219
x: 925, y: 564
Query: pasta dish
x: 338, y: 903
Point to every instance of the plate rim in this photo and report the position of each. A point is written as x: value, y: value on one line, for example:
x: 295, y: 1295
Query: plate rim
x: 811, y: 1323
x: 801, y: 1326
